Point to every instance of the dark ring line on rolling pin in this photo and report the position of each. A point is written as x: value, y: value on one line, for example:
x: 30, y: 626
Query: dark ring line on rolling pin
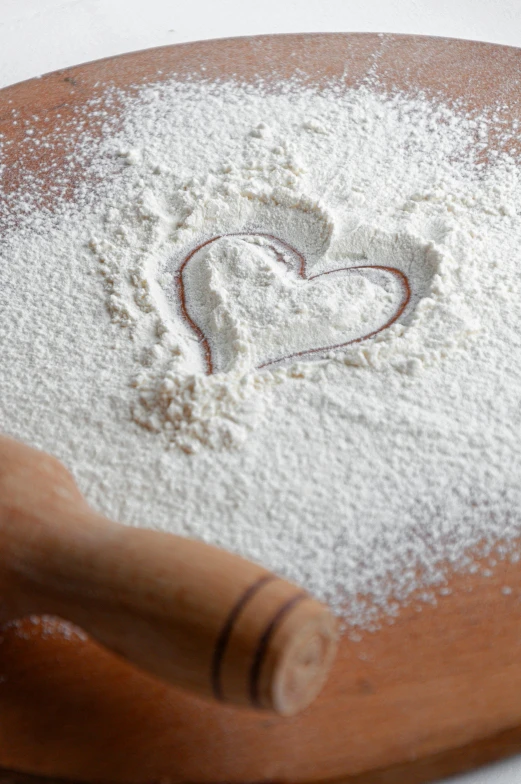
x: 264, y: 641
x: 224, y: 635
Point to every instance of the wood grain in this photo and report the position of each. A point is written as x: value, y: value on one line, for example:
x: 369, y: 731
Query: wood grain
x: 437, y: 691
x: 190, y: 613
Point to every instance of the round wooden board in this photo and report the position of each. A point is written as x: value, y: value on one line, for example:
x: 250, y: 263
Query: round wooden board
x: 437, y: 691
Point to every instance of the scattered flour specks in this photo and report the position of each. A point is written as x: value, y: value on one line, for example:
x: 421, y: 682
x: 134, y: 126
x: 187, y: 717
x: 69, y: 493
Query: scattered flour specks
x: 217, y: 227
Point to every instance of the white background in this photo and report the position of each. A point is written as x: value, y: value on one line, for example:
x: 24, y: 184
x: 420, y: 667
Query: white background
x: 37, y: 36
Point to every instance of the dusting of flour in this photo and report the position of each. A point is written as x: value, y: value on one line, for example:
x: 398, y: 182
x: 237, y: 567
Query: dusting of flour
x: 214, y: 334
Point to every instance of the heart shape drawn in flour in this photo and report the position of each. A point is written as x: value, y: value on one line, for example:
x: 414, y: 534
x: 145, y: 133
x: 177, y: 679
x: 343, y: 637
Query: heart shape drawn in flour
x: 292, y: 277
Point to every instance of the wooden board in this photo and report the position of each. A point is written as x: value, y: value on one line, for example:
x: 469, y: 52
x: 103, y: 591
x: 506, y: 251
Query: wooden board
x: 437, y: 691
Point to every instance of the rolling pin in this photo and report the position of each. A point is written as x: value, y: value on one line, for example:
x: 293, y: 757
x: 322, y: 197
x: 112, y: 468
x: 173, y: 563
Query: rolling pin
x: 187, y: 612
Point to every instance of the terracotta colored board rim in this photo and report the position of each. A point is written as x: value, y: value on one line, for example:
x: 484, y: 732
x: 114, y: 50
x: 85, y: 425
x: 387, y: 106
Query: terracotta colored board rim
x: 72, y: 711
x: 449, y: 763
x: 259, y: 38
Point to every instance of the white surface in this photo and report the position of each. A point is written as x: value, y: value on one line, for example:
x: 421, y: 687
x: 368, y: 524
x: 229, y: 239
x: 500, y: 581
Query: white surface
x: 37, y: 36
x: 41, y: 35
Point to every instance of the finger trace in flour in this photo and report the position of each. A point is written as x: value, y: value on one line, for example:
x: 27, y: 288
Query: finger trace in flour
x: 302, y: 321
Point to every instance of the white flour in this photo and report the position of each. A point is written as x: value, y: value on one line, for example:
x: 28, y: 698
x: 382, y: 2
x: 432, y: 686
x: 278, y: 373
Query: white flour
x: 361, y: 471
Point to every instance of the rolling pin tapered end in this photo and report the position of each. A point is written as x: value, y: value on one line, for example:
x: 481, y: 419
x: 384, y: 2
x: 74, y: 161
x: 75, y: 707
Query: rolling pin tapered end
x: 302, y: 669
x: 275, y: 649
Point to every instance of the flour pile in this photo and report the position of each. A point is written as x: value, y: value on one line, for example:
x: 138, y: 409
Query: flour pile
x: 285, y: 322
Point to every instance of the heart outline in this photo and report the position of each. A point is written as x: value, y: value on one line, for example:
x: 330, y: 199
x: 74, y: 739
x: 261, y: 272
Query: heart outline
x: 301, y: 272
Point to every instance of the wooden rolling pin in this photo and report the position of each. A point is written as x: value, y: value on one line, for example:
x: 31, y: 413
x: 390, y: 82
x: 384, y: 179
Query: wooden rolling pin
x: 190, y: 613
